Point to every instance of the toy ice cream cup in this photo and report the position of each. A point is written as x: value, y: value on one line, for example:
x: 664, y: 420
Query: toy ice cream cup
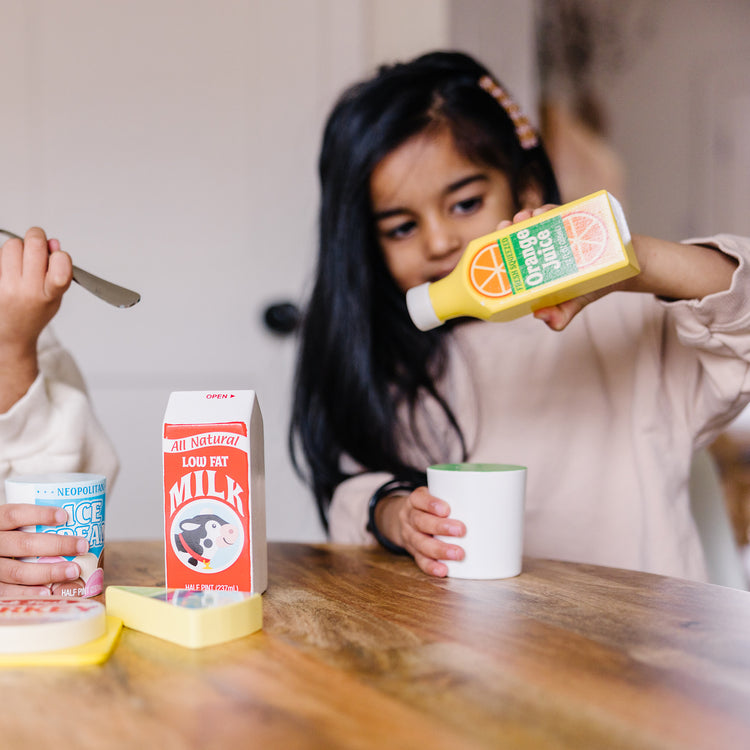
x: 82, y: 496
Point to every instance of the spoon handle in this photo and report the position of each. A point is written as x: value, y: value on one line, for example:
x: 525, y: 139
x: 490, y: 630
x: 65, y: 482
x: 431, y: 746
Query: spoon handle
x: 116, y: 295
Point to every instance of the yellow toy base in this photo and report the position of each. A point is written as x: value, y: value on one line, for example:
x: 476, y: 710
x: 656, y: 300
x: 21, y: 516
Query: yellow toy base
x: 93, y: 652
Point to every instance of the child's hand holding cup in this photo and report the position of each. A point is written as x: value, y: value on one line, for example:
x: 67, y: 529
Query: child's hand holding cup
x: 489, y: 499
x: 82, y: 497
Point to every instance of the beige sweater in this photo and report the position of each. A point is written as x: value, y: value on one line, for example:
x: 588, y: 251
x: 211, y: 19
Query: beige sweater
x: 53, y: 428
x: 606, y: 416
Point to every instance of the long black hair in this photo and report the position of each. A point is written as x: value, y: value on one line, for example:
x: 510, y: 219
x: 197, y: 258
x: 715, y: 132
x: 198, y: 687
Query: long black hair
x: 360, y: 355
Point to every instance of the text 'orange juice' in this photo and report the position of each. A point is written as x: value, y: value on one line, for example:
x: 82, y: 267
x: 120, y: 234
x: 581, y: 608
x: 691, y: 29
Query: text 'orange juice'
x: 542, y: 261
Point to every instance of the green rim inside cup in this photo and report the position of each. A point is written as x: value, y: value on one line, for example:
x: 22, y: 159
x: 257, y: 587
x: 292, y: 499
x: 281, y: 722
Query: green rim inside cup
x: 477, y: 467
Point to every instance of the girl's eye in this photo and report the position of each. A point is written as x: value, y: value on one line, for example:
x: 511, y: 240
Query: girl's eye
x: 400, y: 231
x: 469, y: 206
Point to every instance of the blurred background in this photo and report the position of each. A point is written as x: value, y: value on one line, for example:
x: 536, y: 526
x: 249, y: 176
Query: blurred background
x: 171, y: 145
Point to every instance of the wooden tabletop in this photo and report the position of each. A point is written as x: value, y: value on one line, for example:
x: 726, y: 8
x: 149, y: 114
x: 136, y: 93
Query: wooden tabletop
x: 359, y: 649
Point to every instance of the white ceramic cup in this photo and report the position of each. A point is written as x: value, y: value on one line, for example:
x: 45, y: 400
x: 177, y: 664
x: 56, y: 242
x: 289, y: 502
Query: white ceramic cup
x: 489, y: 499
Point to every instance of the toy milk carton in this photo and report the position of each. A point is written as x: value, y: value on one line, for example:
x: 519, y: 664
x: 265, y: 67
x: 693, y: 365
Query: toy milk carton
x: 214, y: 492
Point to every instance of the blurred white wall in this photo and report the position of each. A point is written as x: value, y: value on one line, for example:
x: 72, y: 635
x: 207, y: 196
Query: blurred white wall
x: 171, y: 145
x: 679, y: 103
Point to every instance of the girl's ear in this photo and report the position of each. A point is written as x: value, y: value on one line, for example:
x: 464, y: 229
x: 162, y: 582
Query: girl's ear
x: 531, y: 196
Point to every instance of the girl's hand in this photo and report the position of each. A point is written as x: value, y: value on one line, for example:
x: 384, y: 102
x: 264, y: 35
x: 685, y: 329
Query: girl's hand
x: 34, y: 275
x: 35, y: 578
x: 412, y: 521
x: 557, y: 317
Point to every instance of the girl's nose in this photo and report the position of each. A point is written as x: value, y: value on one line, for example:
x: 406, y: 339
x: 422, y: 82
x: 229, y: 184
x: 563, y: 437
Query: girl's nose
x: 441, y: 239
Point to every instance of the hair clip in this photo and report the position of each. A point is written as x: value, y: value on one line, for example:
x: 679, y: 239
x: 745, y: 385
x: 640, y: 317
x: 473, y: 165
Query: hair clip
x: 525, y: 132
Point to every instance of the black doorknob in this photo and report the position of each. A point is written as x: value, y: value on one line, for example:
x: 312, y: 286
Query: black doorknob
x: 282, y: 317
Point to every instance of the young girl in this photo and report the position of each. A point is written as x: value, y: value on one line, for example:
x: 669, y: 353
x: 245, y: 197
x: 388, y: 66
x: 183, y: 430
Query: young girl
x: 604, y: 405
x: 46, y: 420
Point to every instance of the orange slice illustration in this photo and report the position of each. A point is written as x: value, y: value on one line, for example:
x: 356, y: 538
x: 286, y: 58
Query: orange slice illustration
x: 487, y: 272
x: 587, y: 235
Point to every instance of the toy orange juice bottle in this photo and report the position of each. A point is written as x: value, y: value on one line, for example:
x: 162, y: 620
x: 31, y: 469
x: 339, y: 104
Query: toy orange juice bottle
x: 214, y: 492
x: 542, y: 261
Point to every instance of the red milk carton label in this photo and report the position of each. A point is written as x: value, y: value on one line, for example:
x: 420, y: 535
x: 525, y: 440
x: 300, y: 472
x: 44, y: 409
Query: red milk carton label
x: 214, y: 508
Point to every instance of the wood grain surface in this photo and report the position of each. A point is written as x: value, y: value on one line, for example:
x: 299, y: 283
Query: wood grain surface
x: 359, y: 649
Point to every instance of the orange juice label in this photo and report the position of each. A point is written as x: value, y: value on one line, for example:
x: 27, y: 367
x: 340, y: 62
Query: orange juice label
x: 581, y: 239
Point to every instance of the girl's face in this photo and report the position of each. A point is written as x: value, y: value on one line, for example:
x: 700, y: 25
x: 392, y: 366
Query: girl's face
x: 429, y: 202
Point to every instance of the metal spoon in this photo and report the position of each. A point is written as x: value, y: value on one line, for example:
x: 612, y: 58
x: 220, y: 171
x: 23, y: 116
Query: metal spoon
x: 116, y: 295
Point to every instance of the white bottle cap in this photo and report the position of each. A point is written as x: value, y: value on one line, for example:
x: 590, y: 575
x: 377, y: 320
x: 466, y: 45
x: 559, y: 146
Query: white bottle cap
x: 420, y: 307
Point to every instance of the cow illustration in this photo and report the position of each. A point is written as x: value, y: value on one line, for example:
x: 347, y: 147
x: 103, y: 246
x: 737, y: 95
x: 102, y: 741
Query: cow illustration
x: 201, y: 536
